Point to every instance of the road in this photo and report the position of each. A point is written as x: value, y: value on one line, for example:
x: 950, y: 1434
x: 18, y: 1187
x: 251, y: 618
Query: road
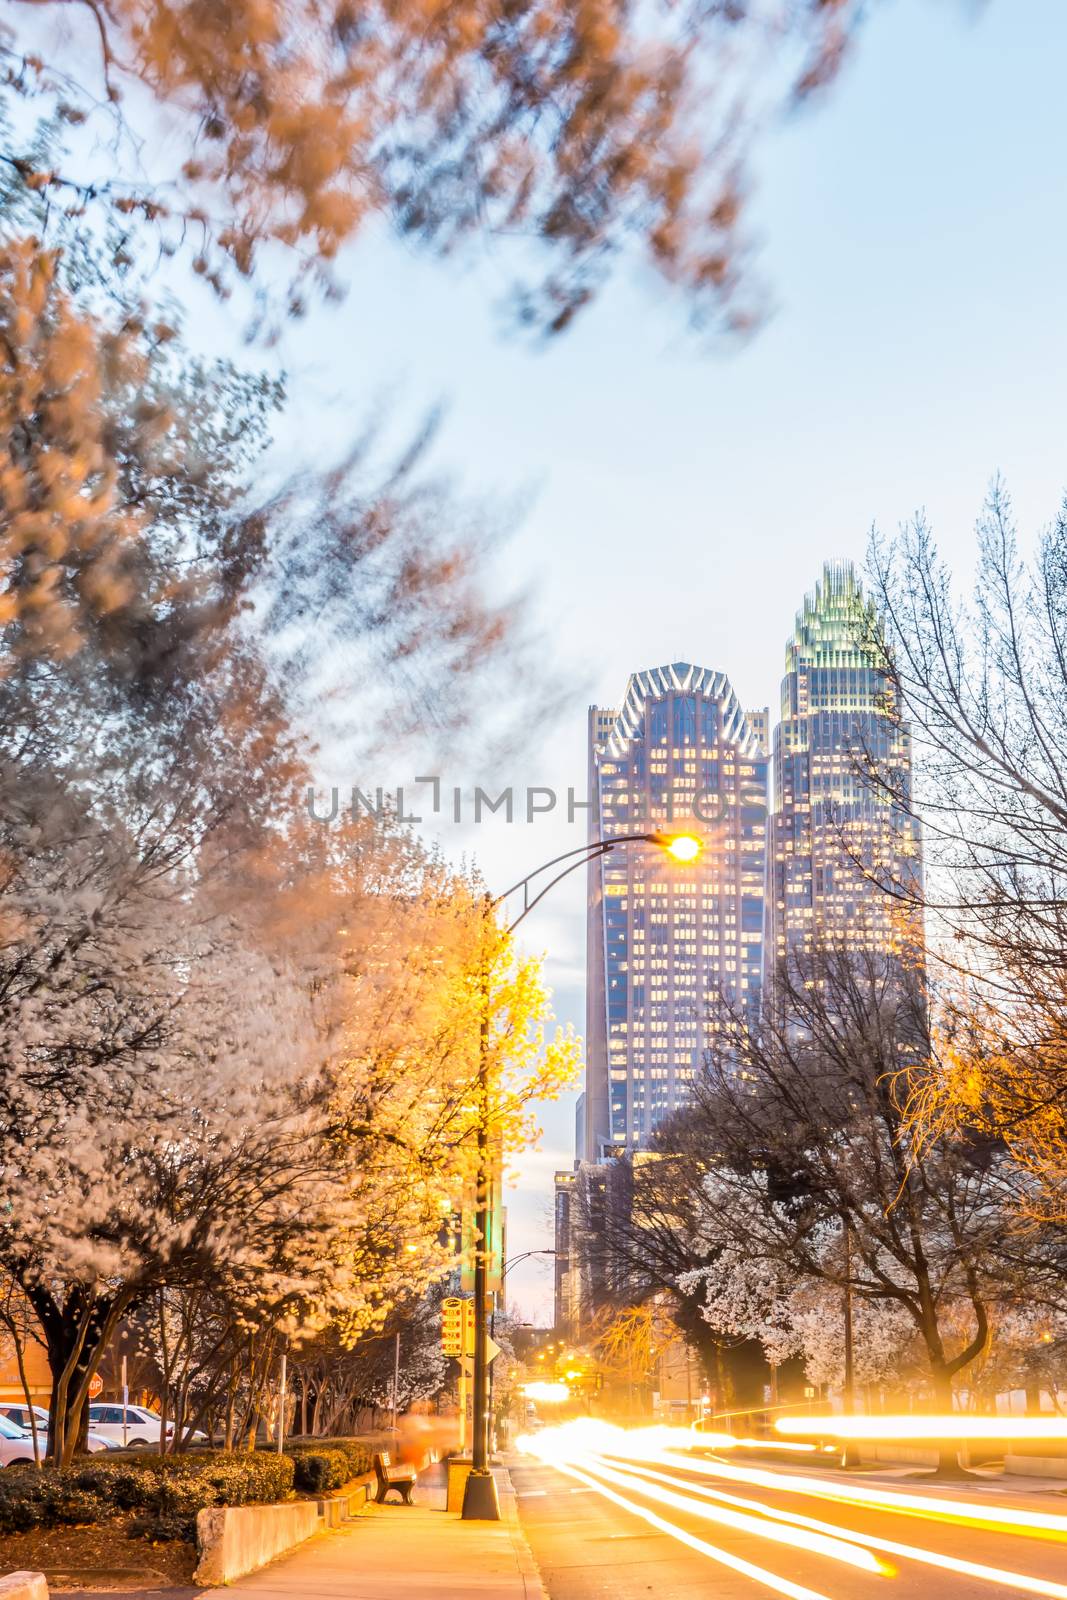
x: 588, y: 1545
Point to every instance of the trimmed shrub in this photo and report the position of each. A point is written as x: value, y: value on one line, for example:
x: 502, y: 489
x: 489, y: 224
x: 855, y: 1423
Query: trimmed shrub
x: 170, y: 1490
x: 341, y: 1461
x: 32, y: 1499
x: 319, y: 1470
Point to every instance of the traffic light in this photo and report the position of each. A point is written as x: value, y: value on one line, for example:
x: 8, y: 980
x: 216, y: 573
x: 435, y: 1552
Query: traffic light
x: 457, y: 1326
x: 453, y: 1321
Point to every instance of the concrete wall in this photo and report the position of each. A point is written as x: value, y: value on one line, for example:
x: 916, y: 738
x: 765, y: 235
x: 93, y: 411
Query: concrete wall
x: 347, y: 1502
x: 233, y: 1540
x: 23, y: 1586
x: 900, y: 1455
x: 1037, y: 1466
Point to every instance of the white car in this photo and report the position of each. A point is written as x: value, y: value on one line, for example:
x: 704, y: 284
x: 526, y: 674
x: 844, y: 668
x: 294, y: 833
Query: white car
x: 15, y: 1444
x: 20, y: 1416
x: 140, y: 1427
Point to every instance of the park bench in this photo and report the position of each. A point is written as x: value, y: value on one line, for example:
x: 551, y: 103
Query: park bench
x: 390, y: 1477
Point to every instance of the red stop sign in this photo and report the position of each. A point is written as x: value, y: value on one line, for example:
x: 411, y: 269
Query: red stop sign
x: 96, y: 1386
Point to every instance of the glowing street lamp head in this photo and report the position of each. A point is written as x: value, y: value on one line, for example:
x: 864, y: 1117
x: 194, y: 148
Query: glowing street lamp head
x: 683, y: 846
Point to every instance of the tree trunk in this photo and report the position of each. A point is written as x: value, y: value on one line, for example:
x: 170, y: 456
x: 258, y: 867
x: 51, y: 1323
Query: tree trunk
x: 73, y: 1337
x: 948, y: 1455
x: 20, y: 1358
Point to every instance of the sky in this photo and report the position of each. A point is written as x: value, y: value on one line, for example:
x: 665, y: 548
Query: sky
x: 913, y: 233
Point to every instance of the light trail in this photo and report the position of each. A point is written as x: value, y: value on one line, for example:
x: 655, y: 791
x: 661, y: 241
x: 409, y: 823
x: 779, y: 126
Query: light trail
x: 947, y: 1428
x: 1020, y: 1581
x: 599, y: 1455
x: 585, y: 1436
x: 998, y: 1519
x: 553, y: 1394
x: 837, y: 1544
x: 769, y: 1580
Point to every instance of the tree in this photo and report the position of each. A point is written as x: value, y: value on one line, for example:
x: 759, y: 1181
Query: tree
x: 630, y: 1344
x: 208, y: 1098
x: 291, y: 1156
x: 139, y: 568
x: 808, y: 1115
x: 986, y: 688
x: 583, y: 130
x: 795, y: 1316
x: 642, y: 1241
x: 157, y: 857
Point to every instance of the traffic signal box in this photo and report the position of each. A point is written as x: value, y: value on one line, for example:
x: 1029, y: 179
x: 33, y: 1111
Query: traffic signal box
x: 452, y: 1326
x: 457, y: 1326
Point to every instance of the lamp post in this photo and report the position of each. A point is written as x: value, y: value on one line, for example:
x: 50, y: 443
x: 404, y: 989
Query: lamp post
x: 506, y: 1267
x: 479, y: 1495
x: 850, y: 1454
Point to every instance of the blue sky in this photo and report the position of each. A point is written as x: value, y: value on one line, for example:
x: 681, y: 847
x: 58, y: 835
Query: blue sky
x: 914, y: 233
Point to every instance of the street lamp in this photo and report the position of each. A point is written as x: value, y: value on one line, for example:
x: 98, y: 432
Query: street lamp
x: 479, y: 1495
x: 506, y: 1267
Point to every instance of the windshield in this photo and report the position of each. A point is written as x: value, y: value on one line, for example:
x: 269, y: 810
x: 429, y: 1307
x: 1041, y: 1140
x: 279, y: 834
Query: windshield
x: 11, y: 1430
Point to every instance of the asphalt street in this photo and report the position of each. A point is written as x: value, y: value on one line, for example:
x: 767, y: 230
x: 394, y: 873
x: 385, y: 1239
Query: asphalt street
x: 589, y: 1545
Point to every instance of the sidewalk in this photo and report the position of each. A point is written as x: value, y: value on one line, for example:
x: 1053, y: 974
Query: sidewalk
x: 397, y: 1552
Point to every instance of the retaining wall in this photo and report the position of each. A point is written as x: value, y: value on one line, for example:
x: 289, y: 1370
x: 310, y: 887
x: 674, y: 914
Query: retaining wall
x: 233, y: 1540
x: 1037, y: 1466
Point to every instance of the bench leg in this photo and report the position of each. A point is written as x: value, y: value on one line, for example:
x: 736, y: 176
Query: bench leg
x: 407, y: 1489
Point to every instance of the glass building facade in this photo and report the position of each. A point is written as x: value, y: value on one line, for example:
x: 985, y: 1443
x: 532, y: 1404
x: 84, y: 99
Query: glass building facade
x: 840, y: 751
x: 662, y: 937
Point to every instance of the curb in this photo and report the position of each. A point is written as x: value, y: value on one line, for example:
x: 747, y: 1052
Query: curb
x: 23, y: 1586
x: 509, y: 1509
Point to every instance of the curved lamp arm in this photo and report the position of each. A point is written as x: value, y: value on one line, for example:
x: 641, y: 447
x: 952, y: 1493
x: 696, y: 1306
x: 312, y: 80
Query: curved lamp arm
x: 585, y: 853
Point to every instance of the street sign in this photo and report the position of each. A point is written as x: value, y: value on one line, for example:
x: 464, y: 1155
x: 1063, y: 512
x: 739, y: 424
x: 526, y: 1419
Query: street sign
x: 468, y: 1327
x: 96, y: 1386
x: 492, y: 1349
x: 453, y: 1324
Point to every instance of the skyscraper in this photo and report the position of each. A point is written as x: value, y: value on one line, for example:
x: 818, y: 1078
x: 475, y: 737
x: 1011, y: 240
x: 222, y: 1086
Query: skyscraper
x: 840, y: 749
x: 662, y: 937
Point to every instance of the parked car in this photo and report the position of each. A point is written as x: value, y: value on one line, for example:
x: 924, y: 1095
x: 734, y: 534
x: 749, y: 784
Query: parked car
x: 15, y: 1444
x: 20, y: 1415
x: 142, y: 1427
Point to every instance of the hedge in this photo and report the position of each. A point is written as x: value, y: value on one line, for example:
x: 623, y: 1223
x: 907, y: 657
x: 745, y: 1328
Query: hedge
x: 323, y: 1464
x: 168, y: 1490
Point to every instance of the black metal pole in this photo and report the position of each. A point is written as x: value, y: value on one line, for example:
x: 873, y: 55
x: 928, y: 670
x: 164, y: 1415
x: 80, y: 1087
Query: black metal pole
x: 479, y: 1494
x: 850, y: 1455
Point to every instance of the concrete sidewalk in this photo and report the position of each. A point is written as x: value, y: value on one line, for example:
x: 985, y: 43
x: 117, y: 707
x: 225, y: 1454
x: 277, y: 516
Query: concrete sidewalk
x: 397, y: 1552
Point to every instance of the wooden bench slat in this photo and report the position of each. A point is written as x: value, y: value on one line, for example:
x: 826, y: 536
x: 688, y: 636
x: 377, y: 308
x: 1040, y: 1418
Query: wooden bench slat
x: 401, y: 1478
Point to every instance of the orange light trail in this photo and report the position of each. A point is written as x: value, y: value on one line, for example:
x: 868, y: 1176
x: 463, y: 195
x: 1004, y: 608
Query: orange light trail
x: 601, y: 1455
x: 950, y: 1426
x: 933, y: 1558
x: 1047, y: 1524
x: 834, y: 1544
x: 552, y: 1394
x: 770, y: 1580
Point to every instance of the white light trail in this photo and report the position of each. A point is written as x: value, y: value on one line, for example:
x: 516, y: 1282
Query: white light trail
x: 837, y: 1545
x: 949, y: 1427
x: 1022, y: 1582
x: 995, y: 1518
x: 770, y: 1580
